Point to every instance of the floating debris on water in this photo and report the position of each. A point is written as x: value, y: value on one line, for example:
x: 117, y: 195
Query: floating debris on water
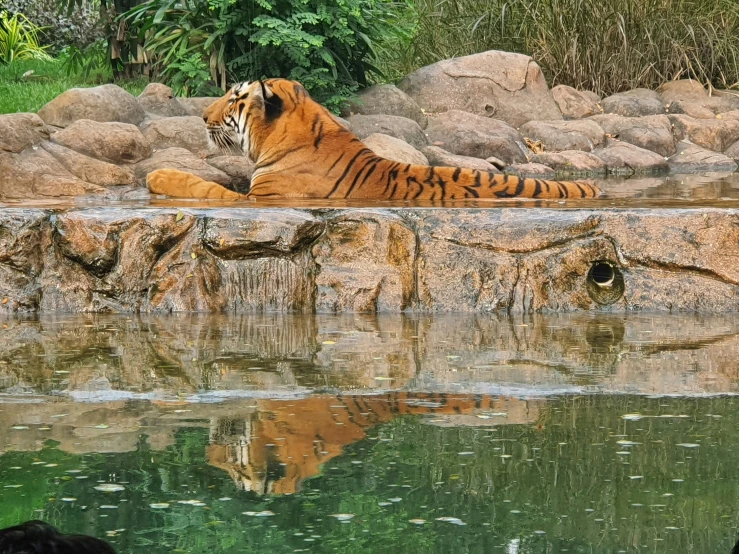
x: 342, y: 517
x: 688, y: 445
x: 159, y: 505
x: 109, y: 487
x: 452, y: 520
x: 263, y: 513
x: 417, y: 521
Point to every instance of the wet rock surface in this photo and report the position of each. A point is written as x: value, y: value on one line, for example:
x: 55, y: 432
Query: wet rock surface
x: 368, y: 260
x: 103, y: 103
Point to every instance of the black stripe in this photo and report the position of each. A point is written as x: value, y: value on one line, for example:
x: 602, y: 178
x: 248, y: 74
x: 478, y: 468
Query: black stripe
x: 430, y: 179
x: 456, y: 173
x: 562, y: 190
x: 519, y: 187
x: 359, y: 173
x: 319, y: 138
x: 478, y: 182
x: 537, y: 188
x: 333, y: 165
x: 582, y: 191
x: 472, y: 191
x: 316, y: 121
x: 279, y: 157
x: 348, y: 169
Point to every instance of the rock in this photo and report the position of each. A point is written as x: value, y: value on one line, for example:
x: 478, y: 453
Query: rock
x: 538, y: 171
x: 386, y: 100
x: 366, y: 260
x: 693, y: 109
x: 391, y: 125
x: 103, y: 103
x: 575, y: 104
x: 34, y: 173
x: 496, y: 162
x: 439, y: 157
x: 556, y: 136
x: 712, y: 134
x: 691, y: 158
x: 595, y: 97
x: 196, y: 105
x: 686, y: 90
x: 184, y: 160
x: 188, y: 132
x: 733, y: 151
x: 509, y: 87
x: 89, y: 169
x: 239, y: 168
x: 476, y: 136
x: 651, y: 133
x: 634, y: 103
x: 159, y: 99
x: 571, y: 162
x: 18, y: 131
x: 622, y: 158
x: 394, y: 149
x: 113, y: 142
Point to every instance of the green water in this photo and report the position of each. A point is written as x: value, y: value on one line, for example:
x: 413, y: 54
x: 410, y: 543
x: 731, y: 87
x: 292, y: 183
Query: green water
x: 353, y: 469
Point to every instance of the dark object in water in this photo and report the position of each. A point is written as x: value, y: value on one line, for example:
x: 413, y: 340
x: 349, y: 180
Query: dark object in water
x: 37, y: 537
x: 736, y: 548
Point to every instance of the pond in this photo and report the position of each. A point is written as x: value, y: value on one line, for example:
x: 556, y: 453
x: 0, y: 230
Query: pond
x: 205, y: 433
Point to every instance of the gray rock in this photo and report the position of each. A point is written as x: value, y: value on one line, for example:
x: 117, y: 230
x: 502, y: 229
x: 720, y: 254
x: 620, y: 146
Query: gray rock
x: 634, y: 103
x: 196, y: 105
x: 712, y: 134
x: 571, y: 162
x: 18, y: 131
x: 392, y: 125
x: 694, y: 109
x: 506, y: 86
x: 556, y: 136
x: 239, y: 168
x: 184, y: 160
x: 441, y: 158
x: 113, y: 142
x: 394, y: 149
x: 89, y: 169
x: 691, y: 158
x: 386, y: 100
x: 534, y: 170
x: 622, y: 158
x: 651, y: 132
x: 476, y: 136
x: 159, y: 99
x: 103, y: 103
x: 188, y: 132
x: 575, y: 104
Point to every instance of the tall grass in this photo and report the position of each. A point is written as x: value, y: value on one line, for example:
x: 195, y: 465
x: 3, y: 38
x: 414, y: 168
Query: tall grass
x: 602, y: 45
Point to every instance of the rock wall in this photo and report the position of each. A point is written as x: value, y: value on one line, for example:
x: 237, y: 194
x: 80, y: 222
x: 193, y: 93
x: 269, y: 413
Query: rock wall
x: 157, y: 260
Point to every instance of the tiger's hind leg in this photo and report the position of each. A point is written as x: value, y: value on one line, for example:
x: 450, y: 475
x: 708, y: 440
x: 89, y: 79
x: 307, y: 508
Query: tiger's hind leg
x: 180, y: 184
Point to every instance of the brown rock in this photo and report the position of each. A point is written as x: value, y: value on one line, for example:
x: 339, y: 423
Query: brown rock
x: 366, y: 261
x: 575, y: 104
x: 113, y: 142
x: 184, y: 160
x: 691, y: 158
x: 475, y: 136
x: 538, y: 171
x: 441, y: 158
x: 187, y: 132
x: 557, y: 136
x: 634, y: 103
x: 714, y: 134
x: 651, y: 133
x: 18, y: 131
x: 394, y: 149
x: 239, y: 168
x: 386, y: 100
x: 196, y: 105
x: 571, y: 162
x: 391, y: 125
x: 103, y: 103
x: 733, y: 151
x: 622, y: 158
x: 693, y: 109
x: 159, y: 99
x: 507, y: 86
x: 89, y: 169
x: 686, y: 90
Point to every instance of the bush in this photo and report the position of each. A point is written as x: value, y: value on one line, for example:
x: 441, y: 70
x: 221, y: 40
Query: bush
x: 325, y: 44
x: 605, y: 46
x: 19, y: 39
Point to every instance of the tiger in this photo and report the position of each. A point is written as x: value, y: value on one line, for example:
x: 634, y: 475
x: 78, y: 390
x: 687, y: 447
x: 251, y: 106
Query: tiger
x: 300, y: 150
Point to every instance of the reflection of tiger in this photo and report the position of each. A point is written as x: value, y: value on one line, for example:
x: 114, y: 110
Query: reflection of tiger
x: 286, y: 441
x: 301, y: 150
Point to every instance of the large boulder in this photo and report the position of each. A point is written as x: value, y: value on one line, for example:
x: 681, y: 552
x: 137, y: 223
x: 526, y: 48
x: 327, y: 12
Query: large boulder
x: 18, y: 131
x: 622, y: 158
x: 184, y: 160
x: 196, y: 105
x: 571, y: 162
x: 712, y: 134
x: 691, y: 158
x: 556, y: 136
x: 694, y: 109
x: 392, y: 125
x: 531, y: 170
x: 385, y: 100
x: 683, y: 89
x: 575, y: 104
x: 476, y: 136
x: 634, y: 103
x: 394, y: 149
x: 239, y: 168
x: 187, y: 132
x: 441, y: 158
x: 34, y: 173
x: 89, y: 169
x: 507, y: 86
x: 103, y: 103
x: 159, y: 99
x: 113, y: 142
x: 652, y: 132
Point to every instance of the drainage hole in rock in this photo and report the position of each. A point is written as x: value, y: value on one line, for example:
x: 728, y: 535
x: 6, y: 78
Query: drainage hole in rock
x: 605, y: 283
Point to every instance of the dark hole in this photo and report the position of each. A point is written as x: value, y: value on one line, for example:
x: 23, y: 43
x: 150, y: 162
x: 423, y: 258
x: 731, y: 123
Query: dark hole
x: 602, y: 273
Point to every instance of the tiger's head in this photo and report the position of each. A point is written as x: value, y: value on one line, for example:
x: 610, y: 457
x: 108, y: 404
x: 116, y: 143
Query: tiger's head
x: 251, y: 112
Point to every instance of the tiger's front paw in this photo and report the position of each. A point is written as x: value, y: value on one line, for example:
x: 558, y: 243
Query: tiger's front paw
x: 167, y: 181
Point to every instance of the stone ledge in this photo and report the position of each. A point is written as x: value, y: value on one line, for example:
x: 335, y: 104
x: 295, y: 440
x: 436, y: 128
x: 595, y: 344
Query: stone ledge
x: 154, y: 260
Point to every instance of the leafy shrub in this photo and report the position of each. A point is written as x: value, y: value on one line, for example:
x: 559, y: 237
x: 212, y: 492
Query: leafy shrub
x: 325, y: 44
x: 19, y: 39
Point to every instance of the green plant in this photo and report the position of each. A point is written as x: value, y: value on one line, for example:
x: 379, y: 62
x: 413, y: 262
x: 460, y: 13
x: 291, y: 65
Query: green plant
x: 84, y: 62
x: 19, y: 39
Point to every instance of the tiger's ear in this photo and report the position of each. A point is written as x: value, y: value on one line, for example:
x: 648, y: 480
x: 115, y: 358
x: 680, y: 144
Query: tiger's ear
x: 272, y: 102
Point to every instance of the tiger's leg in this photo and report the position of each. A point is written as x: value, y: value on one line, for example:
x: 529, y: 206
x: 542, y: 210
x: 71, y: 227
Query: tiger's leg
x: 181, y: 184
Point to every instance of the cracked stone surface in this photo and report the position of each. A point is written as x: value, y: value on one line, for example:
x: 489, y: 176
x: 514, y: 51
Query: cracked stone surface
x: 126, y: 260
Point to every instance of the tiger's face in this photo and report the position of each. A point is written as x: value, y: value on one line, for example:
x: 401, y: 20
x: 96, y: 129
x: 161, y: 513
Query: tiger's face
x: 245, y: 115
